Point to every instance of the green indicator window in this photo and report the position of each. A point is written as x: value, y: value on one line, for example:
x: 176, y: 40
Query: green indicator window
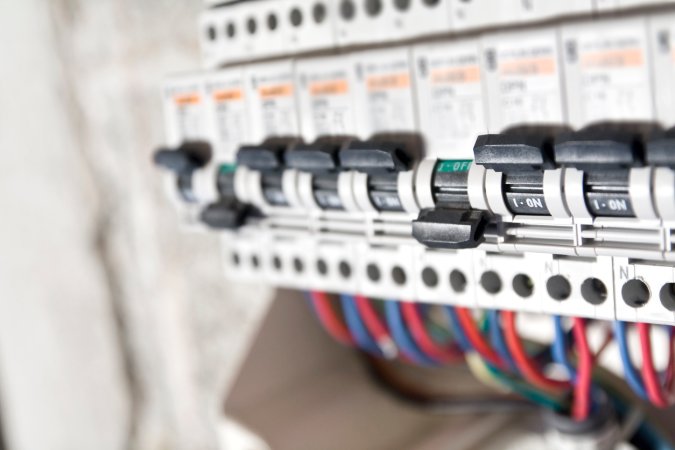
x: 227, y: 168
x: 453, y: 165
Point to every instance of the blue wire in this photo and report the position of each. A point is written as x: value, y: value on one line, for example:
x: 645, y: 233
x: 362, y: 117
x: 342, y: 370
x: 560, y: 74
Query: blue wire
x: 457, y: 329
x: 632, y: 377
x: 559, y: 348
x: 497, y: 340
x: 401, y: 337
x: 356, y: 327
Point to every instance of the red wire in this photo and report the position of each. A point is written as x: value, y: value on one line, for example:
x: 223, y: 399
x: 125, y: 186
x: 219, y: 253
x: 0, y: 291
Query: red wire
x: 649, y: 375
x: 419, y: 333
x: 670, y: 371
x: 581, y: 406
x: 525, y: 365
x: 375, y: 326
x: 329, y: 319
x: 476, y: 338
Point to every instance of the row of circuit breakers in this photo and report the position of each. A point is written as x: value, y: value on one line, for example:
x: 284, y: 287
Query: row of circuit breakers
x: 529, y: 169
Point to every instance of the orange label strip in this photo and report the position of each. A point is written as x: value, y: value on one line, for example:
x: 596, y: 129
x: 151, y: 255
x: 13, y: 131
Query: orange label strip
x: 332, y: 87
x: 276, y: 90
x: 187, y: 99
x: 531, y: 66
x: 389, y: 81
x: 228, y: 95
x: 632, y: 57
x: 468, y: 74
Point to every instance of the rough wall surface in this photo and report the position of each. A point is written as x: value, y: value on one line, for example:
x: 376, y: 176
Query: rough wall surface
x: 116, y: 327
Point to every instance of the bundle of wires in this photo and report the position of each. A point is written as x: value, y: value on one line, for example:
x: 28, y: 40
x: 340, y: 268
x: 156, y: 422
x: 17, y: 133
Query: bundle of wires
x: 646, y: 384
x: 492, y: 347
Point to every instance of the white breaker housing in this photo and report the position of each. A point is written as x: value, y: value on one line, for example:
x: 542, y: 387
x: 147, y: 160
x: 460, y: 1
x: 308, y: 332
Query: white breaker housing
x: 571, y: 246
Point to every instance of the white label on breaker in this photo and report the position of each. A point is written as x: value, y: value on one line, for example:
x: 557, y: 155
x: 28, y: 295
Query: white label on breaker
x: 451, y: 102
x: 330, y: 103
x: 614, y: 73
x: 389, y: 96
x: 229, y: 116
x: 528, y: 87
x: 186, y: 106
x: 277, y: 106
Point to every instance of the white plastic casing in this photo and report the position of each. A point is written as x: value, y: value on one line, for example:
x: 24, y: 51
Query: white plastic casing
x: 531, y: 10
x: 246, y: 257
x: 443, y: 263
x: 360, y: 27
x: 607, y: 71
x: 340, y: 259
x: 615, y: 5
x: 390, y: 21
x: 326, y: 91
x: 507, y: 267
x: 228, y: 114
x: 185, y: 112
x: 451, y: 107
x: 186, y: 116
x: 471, y: 15
x: 388, y: 259
x: 316, y: 28
x: 220, y: 43
x: 655, y: 277
x: 662, y: 38
x: 418, y: 18
x: 265, y: 41
x: 272, y: 100
x: 385, y: 91
x: 523, y: 79
x: 576, y: 271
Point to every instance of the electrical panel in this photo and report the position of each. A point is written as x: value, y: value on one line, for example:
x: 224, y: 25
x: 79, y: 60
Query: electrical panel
x: 498, y: 154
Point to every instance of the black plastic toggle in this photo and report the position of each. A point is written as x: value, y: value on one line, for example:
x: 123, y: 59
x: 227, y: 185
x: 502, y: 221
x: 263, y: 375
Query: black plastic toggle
x: 266, y: 157
x: 374, y: 157
x: 514, y: 152
x: 319, y: 157
x: 185, y: 159
x: 450, y: 228
x: 225, y: 215
x: 604, y: 146
x: 661, y: 149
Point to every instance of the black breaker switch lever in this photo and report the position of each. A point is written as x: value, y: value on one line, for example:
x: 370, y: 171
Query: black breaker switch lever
x: 515, y: 152
x: 318, y: 157
x: 225, y: 214
x: 266, y: 157
x: 521, y: 154
x: 604, y: 146
x: 183, y: 162
x: 185, y: 159
x: 375, y: 157
x: 661, y: 149
x: 450, y: 228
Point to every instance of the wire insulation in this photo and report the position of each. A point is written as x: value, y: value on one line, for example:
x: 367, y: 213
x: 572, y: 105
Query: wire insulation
x: 476, y: 339
x: 497, y: 340
x: 581, y: 407
x: 559, y: 349
x: 439, y: 353
x: 329, y: 319
x: 401, y: 337
x: 649, y: 375
x: 358, y: 330
x: 629, y: 371
x: 376, y: 327
x: 525, y: 365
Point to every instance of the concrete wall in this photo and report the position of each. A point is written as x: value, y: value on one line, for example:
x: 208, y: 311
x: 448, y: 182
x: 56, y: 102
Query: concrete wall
x: 116, y: 328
